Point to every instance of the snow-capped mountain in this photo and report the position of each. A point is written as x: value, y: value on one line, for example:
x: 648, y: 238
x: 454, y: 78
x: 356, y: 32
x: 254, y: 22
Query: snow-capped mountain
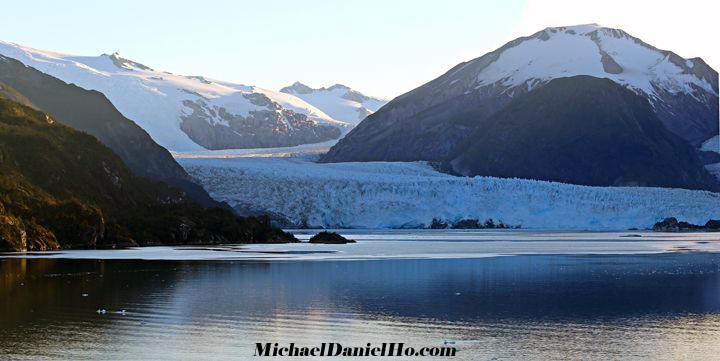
x: 582, y: 130
x: 423, y: 123
x: 338, y: 101
x: 188, y: 113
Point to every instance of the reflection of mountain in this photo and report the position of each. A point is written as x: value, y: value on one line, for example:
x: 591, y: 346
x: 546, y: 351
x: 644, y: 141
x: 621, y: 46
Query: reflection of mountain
x: 33, y: 287
x: 221, y: 308
x: 494, y: 288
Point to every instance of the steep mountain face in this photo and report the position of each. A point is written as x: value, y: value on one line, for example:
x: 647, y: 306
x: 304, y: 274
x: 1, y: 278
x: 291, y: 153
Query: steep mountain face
x: 710, y: 154
x: 61, y: 188
x: 338, y: 101
x: 9, y: 93
x: 582, y: 130
x: 91, y: 112
x: 427, y: 123
x: 188, y: 113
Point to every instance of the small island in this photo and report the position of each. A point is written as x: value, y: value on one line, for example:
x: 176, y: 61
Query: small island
x: 330, y: 238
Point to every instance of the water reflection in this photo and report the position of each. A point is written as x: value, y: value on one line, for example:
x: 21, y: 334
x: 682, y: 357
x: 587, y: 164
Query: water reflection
x: 522, y: 307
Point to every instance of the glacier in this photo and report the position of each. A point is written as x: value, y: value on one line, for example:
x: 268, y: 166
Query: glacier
x: 410, y: 194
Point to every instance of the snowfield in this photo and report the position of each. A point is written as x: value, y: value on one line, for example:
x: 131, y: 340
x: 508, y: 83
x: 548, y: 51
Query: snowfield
x: 338, y: 101
x: 410, y: 195
x: 157, y: 100
x: 711, y: 145
x: 596, y: 51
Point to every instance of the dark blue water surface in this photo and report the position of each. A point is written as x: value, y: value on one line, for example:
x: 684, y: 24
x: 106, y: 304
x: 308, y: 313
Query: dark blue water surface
x: 664, y: 306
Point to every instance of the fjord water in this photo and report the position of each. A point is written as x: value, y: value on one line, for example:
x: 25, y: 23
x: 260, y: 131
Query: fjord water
x: 550, y: 306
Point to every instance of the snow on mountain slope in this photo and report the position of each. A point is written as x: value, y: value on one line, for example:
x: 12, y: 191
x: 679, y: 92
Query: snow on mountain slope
x: 683, y: 91
x: 429, y: 122
x: 596, y: 51
x: 188, y: 113
x: 339, y: 101
x: 398, y: 194
x: 712, y: 145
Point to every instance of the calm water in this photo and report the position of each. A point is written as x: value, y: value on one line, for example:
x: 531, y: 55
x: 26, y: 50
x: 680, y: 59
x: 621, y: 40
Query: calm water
x: 526, y: 307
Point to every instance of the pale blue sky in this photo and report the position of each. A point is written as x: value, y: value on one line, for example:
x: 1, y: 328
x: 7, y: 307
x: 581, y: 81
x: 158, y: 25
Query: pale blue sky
x: 381, y: 48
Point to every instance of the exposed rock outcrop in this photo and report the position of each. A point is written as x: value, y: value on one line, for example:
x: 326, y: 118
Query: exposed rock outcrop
x: 468, y: 223
x: 582, y: 130
x: 330, y: 238
x: 671, y: 224
x: 429, y: 122
x: 257, y: 129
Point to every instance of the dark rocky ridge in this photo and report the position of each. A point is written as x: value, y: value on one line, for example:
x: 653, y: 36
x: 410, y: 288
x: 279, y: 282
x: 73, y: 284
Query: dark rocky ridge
x: 671, y: 224
x: 61, y: 188
x: 428, y: 122
x: 581, y: 130
x: 469, y: 223
x: 259, y: 129
x: 91, y: 112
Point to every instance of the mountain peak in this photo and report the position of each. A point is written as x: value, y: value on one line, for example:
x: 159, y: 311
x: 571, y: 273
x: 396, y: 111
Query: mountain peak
x: 339, y: 86
x: 333, y: 100
x: 297, y: 88
x: 590, y: 30
x: 300, y: 88
x: 428, y: 122
x: 124, y: 63
x: 580, y: 28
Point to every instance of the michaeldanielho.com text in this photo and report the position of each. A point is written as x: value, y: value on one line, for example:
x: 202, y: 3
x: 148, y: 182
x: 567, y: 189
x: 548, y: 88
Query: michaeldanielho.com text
x: 334, y: 349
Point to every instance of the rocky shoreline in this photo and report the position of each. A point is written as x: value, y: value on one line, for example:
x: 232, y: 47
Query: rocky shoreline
x: 671, y: 224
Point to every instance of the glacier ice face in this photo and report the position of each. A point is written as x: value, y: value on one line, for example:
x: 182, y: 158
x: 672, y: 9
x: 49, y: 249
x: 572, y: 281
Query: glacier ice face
x: 411, y: 194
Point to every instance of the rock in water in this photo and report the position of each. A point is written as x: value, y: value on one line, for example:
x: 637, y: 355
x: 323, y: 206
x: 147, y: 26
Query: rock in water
x: 330, y: 238
x: 667, y: 225
x: 713, y: 225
